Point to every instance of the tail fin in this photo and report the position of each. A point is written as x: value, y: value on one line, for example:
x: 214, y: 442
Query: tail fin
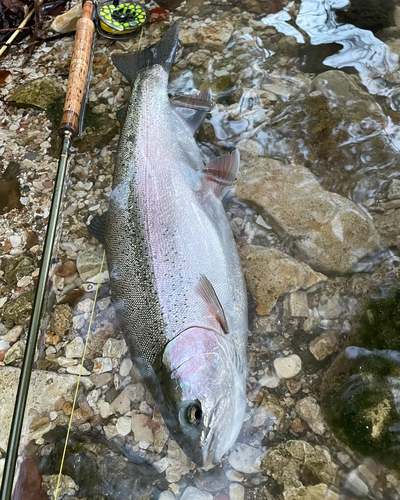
x: 162, y: 53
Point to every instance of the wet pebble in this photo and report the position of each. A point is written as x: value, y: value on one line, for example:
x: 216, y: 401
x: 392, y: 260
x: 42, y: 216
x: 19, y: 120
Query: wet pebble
x: 287, y: 367
x: 166, y: 495
x: 75, y: 348
x: 192, y: 493
x: 236, y: 491
x: 102, y: 365
x: 324, y: 345
x: 310, y: 411
x: 124, y: 425
x: 243, y: 458
x: 114, y: 348
x: 126, y: 367
x: 75, y: 370
x: 141, y: 428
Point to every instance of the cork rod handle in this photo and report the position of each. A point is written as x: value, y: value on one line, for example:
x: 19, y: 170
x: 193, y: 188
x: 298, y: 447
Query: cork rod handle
x: 78, y: 72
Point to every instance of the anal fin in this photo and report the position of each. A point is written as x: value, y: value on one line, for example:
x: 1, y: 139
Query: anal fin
x: 208, y: 294
x: 193, y: 108
x: 222, y: 171
x: 97, y: 227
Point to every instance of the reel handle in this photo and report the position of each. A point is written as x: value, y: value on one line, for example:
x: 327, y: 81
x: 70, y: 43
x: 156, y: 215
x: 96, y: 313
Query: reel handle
x: 78, y: 73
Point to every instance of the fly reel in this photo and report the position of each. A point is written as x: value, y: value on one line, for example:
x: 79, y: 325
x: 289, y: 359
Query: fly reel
x: 120, y: 20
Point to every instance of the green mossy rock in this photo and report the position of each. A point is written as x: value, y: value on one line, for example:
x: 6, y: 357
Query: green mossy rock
x: 40, y: 93
x: 359, y: 389
x: 18, y: 311
x: 17, y: 267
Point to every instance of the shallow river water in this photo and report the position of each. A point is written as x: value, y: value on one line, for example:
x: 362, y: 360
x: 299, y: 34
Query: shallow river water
x: 308, y: 91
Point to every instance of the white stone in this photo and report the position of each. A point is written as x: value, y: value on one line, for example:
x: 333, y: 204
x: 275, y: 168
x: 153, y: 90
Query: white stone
x: 270, y: 381
x: 114, y: 348
x: 243, y: 458
x: 110, y: 431
x: 64, y: 362
x: 234, y: 475
x: 14, y: 334
x: 141, y: 428
x: 124, y: 425
x: 24, y: 282
x: 102, y: 365
x: 74, y: 370
x: 85, y: 305
x: 236, y: 491
x: 298, y: 304
x: 192, y: 493
x: 288, y: 367
x: 166, y: 495
x: 15, y: 240
x: 105, y: 409
x: 126, y: 367
x: 75, y: 348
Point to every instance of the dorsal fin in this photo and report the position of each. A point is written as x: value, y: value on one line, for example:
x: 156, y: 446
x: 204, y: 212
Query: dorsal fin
x: 193, y: 108
x: 208, y: 294
x: 222, y: 171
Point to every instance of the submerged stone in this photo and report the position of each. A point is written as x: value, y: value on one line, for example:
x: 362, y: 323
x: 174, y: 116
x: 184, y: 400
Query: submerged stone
x: 368, y: 14
x: 361, y: 390
x: 330, y: 232
x: 270, y: 273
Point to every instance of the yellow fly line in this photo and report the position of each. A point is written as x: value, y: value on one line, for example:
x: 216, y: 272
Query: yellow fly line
x: 83, y: 356
x: 79, y: 379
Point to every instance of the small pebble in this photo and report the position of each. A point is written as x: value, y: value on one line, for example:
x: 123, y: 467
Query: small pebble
x: 288, y: 367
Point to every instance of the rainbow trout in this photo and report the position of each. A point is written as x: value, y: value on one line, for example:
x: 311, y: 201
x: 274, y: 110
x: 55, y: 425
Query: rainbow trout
x: 175, y: 273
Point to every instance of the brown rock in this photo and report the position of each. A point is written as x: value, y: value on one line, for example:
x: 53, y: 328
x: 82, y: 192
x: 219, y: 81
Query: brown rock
x: 270, y: 273
x: 293, y: 386
x: 51, y: 339
x: 324, y: 345
x: 297, y: 425
x: 61, y: 319
x: 67, y: 269
x: 329, y: 231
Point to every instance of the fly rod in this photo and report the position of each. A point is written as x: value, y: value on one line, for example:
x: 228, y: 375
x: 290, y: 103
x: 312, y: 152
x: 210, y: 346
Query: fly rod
x: 69, y: 128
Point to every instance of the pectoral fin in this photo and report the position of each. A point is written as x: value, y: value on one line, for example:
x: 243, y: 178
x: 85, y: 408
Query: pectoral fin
x: 193, y: 108
x: 222, y: 171
x: 97, y: 227
x: 208, y: 294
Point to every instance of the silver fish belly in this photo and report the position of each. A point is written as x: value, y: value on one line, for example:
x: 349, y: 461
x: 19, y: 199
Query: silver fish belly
x: 175, y: 274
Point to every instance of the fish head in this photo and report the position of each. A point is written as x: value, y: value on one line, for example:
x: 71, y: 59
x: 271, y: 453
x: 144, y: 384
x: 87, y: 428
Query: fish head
x: 203, y: 388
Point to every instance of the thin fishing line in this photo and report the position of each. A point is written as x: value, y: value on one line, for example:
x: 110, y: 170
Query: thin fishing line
x: 79, y: 379
x: 84, y: 353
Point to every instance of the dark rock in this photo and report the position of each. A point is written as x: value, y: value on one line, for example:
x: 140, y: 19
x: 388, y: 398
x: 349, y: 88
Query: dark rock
x: 360, y: 389
x: 368, y: 14
x: 9, y: 189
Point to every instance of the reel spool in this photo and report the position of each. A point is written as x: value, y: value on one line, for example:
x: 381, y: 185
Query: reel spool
x: 120, y: 20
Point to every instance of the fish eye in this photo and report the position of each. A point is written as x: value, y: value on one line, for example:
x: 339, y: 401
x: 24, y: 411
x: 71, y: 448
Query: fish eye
x: 191, y: 413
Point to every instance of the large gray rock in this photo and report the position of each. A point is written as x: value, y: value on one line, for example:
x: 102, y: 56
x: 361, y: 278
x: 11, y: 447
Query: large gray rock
x: 329, y: 231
